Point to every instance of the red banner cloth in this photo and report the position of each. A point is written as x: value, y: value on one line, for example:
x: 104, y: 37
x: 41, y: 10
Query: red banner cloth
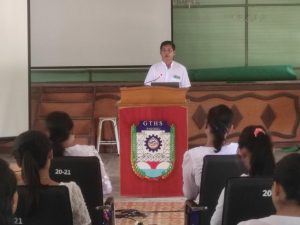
x: 130, y: 183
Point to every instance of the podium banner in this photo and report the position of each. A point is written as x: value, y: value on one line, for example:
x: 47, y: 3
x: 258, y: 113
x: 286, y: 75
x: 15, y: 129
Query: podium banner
x: 153, y: 141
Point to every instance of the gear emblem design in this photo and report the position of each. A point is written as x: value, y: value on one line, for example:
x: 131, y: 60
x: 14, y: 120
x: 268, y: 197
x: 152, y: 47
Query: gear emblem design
x: 153, y: 143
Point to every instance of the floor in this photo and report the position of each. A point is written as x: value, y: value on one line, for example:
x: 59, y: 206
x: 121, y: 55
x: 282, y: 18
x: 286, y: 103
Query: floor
x: 112, y: 165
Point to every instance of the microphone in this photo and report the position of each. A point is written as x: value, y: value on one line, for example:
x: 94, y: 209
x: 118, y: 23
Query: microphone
x: 150, y: 81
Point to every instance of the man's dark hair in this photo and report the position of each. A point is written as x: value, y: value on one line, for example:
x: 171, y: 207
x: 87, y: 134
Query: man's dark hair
x: 164, y: 43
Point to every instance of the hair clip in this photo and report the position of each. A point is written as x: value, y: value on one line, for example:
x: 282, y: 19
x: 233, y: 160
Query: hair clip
x: 257, y: 131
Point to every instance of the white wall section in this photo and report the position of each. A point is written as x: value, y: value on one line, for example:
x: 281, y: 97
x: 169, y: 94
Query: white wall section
x: 98, y: 32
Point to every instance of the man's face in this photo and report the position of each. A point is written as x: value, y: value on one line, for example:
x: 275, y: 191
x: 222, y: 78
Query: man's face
x: 167, y: 53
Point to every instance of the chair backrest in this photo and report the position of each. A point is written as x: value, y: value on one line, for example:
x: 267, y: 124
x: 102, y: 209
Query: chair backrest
x: 85, y: 171
x: 247, y: 198
x: 216, y: 170
x: 53, y: 208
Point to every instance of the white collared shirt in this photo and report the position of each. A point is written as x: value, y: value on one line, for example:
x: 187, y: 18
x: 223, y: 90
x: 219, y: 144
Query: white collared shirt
x: 273, y: 220
x: 159, y: 72
x: 192, y: 166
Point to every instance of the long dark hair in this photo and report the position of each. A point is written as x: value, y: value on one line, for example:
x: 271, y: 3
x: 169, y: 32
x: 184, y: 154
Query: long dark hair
x: 256, y: 140
x: 287, y: 173
x: 31, y: 150
x: 59, y: 125
x: 8, y: 186
x: 219, y: 119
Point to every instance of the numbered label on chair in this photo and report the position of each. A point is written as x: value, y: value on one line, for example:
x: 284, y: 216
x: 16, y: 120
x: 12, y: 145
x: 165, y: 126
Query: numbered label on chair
x: 63, y: 172
x: 18, y: 220
x: 267, y: 193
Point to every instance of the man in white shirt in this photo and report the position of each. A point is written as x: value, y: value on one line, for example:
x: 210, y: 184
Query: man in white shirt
x: 168, y: 70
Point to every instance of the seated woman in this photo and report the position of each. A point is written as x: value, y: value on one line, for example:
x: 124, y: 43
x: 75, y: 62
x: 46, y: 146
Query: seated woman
x: 8, y: 194
x: 285, y: 194
x: 33, y: 153
x: 218, y: 126
x: 256, y: 152
x: 59, y: 126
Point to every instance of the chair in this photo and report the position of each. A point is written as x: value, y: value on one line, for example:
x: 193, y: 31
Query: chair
x: 100, y: 142
x: 216, y: 170
x: 53, y: 208
x: 247, y: 198
x: 85, y: 171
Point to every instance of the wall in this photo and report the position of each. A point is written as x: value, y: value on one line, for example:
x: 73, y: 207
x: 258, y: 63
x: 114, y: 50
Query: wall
x: 221, y: 33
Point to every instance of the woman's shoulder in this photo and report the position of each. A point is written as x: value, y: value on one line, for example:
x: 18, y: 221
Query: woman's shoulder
x: 201, y: 150
x: 273, y: 220
x: 69, y: 185
x: 229, y: 149
x: 80, y: 150
x: 197, y: 154
x: 74, y: 189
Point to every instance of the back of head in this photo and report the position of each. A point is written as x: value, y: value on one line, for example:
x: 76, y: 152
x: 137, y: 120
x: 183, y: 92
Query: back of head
x: 59, y: 125
x: 164, y: 43
x: 256, y: 140
x: 31, y: 151
x: 219, y: 119
x: 8, y: 186
x: 287, y: 174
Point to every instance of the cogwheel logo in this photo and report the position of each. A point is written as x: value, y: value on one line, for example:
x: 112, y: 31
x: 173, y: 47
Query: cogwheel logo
x: 152, y: 149
x: 153, y: 143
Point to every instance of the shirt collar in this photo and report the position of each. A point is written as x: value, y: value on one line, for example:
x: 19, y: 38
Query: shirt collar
x: 166, y: 64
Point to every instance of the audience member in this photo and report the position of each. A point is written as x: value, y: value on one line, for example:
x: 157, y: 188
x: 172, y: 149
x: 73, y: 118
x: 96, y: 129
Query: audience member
x: 218, y: 126
x: 59, y: 126
x: 8, y: 194
x: 285, y: 194
x: 256, y: 152
x: 33, y: 154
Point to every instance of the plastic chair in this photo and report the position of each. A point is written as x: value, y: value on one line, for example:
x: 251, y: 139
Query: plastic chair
x: 247, y: 198
x: 216, y: 170
x: 85, y: 171
x: 53, y: 208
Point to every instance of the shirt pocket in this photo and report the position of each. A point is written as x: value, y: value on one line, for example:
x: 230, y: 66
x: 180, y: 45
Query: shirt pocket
x: 176, y: 78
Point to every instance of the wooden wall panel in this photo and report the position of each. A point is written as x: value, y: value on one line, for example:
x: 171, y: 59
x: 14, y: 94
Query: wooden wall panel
x: 275, y: 105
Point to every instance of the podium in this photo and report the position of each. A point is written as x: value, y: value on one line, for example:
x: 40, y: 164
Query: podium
x: 153, y: 139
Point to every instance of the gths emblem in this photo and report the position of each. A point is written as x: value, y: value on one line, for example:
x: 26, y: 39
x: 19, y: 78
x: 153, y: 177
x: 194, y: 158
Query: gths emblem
x: 152, y: 149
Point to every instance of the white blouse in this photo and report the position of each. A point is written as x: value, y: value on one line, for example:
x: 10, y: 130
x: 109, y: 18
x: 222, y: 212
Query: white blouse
x: 193, y: 163
x: 79, y: 210
x: 89, y: 150
x: 273, y: 220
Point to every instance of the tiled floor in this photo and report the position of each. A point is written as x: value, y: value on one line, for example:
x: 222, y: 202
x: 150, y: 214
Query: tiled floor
x: 112, y: 165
